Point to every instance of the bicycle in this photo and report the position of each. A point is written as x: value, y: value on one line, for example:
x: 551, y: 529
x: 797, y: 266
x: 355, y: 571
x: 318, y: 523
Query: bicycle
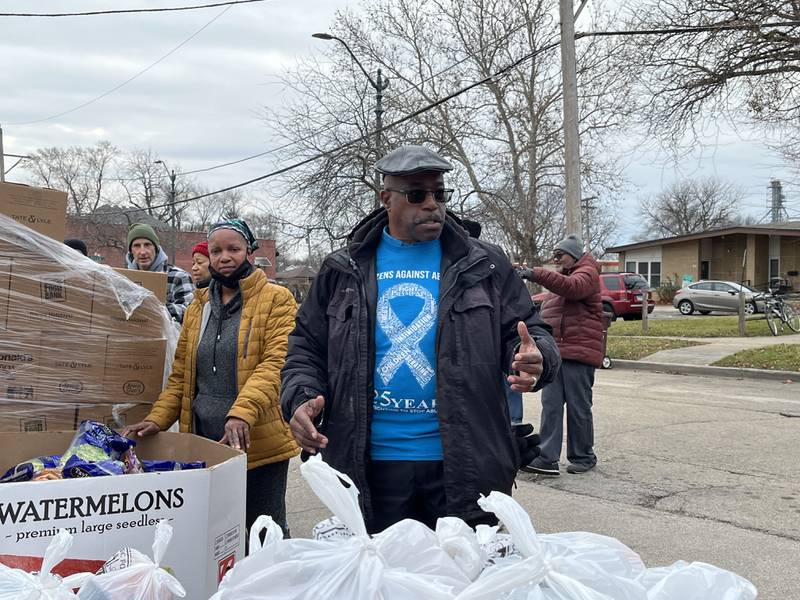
x: 778, y: 312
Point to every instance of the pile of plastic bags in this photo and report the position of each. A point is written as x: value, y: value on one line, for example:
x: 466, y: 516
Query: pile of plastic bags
x: 455, y: 562
x: 128, y: 575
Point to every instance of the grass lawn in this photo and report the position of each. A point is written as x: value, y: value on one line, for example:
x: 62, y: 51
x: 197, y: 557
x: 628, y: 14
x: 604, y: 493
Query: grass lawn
x: 694, y: 327
x: 634, y: 349
x: 780, y: 357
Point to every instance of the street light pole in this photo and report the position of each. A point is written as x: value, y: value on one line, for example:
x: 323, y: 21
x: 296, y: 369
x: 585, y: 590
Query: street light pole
x: 379, y: 86
x: 173, y: 211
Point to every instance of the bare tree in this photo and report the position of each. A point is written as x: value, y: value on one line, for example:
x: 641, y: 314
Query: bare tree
x: 82, y: 172
x: 147, y: 186
x: 691, y: 206
x: 142, y: 180
x: 504, y: 136
x: 744, y: 66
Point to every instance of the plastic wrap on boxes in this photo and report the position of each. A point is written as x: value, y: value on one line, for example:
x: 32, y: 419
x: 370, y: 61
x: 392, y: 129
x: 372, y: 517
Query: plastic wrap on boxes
x: 73, y: 333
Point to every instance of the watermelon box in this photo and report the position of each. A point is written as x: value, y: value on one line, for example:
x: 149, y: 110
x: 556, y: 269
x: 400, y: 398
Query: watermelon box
x: 205, y: 507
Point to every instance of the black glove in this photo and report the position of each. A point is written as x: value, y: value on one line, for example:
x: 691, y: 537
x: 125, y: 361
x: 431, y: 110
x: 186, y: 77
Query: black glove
x: 525, y: 273
x: 527, y: 443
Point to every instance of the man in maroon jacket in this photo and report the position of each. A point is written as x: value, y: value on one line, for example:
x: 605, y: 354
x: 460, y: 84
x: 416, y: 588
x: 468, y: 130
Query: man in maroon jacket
x: 574, y: 310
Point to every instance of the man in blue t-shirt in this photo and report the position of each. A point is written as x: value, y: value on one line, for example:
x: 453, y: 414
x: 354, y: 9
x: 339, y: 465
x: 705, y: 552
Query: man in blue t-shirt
x: 395, y: 368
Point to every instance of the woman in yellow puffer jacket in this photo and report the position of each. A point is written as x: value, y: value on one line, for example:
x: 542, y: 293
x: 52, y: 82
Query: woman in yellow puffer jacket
x: 225, y: 378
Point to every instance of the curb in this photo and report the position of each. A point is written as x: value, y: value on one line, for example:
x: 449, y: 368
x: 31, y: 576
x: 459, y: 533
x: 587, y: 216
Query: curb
x: 678, y: 369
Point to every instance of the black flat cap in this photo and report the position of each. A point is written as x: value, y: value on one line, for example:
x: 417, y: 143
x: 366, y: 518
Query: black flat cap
x: 410, y: 159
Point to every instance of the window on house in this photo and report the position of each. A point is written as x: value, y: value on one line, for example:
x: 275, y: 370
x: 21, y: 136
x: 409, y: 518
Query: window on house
x: 655, y: 274
x: 630, y: 266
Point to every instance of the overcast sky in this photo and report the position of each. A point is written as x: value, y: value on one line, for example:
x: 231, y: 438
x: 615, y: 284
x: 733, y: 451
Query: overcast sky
x: 199, y: 107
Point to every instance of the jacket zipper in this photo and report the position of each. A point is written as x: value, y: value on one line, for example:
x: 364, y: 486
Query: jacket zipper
x: 361, y: 436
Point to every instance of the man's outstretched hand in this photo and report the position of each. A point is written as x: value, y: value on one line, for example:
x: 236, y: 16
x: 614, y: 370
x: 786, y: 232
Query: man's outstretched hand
x: 527, y: 443
x: 302, y: 426
x: 528, y: 362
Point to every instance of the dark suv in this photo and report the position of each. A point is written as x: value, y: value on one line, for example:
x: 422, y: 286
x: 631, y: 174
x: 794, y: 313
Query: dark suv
x: 621, y: 294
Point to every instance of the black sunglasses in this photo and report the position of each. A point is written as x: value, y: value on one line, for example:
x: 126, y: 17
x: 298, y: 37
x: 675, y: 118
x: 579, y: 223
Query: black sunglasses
x: 418, y: 196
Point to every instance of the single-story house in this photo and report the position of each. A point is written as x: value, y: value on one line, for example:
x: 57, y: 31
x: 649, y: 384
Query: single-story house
x: 753, y: 253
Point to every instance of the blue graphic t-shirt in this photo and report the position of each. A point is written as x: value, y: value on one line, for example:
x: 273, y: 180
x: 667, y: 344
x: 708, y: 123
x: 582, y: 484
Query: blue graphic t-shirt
x: 404, y: 421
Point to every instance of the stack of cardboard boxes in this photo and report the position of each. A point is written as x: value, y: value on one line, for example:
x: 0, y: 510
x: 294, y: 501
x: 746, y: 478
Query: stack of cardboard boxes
x: 69, y: 351
x: 79, y: 341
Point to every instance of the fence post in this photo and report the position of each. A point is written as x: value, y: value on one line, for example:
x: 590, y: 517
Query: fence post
x: 645, y: 293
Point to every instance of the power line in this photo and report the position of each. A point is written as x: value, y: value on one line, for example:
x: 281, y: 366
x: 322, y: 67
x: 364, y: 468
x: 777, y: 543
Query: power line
x: 413, y: 86
x: 130, y: 79
x: 132, y: 10
x: 354, y: 141
x: 495, y: 41
x: 741, y: 26
x: 472, y: 86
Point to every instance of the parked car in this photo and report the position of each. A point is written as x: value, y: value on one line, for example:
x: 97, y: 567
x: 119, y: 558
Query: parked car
x: 722, y: 296
x: 621, y: 294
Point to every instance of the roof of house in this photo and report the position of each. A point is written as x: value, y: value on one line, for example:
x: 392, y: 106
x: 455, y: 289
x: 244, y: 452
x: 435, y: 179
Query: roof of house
x: 298, y: 272
x: 791, y: 228
x: 108, y: 214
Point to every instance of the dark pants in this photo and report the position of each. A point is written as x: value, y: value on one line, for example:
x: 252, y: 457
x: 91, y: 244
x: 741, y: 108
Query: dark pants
x: 266, y: 494
x: 573, y: 387
x: 405, y: 490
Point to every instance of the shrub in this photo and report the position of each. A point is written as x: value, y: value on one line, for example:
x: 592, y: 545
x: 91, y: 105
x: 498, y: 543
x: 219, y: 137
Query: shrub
x: 667, y: 290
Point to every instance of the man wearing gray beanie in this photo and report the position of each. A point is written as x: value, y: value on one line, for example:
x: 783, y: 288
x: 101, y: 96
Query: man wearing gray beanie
x: 574, y: 310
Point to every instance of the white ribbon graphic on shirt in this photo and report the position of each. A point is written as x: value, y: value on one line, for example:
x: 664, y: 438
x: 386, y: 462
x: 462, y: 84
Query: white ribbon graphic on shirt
x: 406, y: 340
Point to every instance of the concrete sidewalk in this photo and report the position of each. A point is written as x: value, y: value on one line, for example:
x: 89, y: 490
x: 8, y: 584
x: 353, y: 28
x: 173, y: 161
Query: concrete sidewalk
x: 713, y: 349
x: 697, y: 360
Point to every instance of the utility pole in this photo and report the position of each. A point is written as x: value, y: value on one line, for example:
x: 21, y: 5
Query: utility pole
x: 572, y: 168
x: 2, y: 158
x: 379, y: 86
x: 172, y: 209
x: 777, y: 211
x: 587, y: 206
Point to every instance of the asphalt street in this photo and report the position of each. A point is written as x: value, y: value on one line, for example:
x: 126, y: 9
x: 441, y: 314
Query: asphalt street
x: 692, y: 468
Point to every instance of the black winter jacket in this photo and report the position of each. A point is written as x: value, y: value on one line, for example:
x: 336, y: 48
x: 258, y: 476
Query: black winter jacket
x: 481, y: 300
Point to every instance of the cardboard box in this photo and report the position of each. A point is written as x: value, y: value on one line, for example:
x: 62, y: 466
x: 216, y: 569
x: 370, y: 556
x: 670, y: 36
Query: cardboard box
x: 155, y: 282
x: 40, y: 295
x: 34, y: 416
x: 83, y: 369
x: 104, y: 514
x: 148, y: 320
x: 42, y: 209
x: 20, y: 367
x: 134, y: 369
x: 74, y: 368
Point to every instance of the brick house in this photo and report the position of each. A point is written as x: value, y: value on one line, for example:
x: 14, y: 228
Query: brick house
x: 772, y: 251
x: 105, y: 240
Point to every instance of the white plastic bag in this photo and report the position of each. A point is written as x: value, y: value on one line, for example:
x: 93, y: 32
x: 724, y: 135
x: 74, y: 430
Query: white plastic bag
x: 545, y: 571
x: 413, y: 546
x: 609, y: 553
x: 130, y: 575
x: 249, y: 568
x: 461, y: 543
x: 355, y: 567
x: 695, y: 581
x: 16, y: 584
